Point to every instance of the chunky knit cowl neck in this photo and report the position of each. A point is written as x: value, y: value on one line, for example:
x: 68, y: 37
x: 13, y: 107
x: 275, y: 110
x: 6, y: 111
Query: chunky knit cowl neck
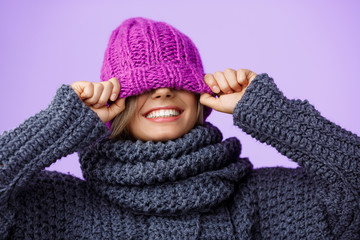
x: 187, y: 175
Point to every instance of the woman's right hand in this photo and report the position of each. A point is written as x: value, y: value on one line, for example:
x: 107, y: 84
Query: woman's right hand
x: 96, y: 94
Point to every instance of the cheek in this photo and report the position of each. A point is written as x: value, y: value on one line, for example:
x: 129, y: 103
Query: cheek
x: 137, y: 127
x: 194, y: 116
x: 192, y: 104
x: 134, y: 123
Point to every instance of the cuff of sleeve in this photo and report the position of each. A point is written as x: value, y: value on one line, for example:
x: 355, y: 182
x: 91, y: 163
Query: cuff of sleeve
x: 75, y: 114
x: 256, y: 101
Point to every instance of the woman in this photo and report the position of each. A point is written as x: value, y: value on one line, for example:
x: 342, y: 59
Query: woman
x: 161, y: 172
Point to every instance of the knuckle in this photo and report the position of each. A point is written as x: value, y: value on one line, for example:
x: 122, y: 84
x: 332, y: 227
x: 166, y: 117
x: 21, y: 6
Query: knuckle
x: 229, y: 70
x: 99, y: 86
x: 208, y: 78
x: 114, y: 81
x: 108, y: 85
x: 218, y: 74
x: 240, y: 75
x: 87, y: 84
x: 241, y: 71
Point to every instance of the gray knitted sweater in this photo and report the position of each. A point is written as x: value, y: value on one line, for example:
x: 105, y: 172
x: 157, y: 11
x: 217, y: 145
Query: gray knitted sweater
x: 194, y: 187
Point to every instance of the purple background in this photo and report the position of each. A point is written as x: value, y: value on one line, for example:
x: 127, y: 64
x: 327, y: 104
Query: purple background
x: 310, y: 48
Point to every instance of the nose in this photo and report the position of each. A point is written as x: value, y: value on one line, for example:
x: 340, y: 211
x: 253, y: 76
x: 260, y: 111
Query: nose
x: 162, y: 93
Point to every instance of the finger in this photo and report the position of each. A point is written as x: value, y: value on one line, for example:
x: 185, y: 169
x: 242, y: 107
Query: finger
x: 221, y: 81
x: 210, y: 101
x: 98, y: 88
x: 86, y: 89
x: 210, y: 81
x: 117, y: 107
x: 116, y: 88
x: 241, y: 75
x: 230, y: 75
x: 105, y: 95
x: 251, y: 76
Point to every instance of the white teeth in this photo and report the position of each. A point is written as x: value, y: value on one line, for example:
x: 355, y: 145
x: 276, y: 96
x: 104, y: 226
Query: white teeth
x: 163, y: 113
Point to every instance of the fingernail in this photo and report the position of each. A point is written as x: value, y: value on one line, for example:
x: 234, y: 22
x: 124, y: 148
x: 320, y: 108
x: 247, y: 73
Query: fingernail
x: 113, y: 97
x: 216, y: 89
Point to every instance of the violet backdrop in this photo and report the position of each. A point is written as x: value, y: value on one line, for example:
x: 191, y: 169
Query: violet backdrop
x: 310, y: 48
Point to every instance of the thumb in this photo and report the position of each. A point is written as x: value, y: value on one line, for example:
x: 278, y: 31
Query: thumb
x: 210, y: 101
x: 117, y: 107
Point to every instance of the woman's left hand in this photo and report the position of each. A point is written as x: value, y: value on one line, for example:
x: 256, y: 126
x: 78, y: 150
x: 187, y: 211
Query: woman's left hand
x: 229, y: 86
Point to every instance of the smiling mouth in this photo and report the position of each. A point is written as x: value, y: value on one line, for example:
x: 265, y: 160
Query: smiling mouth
x: 163, y: 113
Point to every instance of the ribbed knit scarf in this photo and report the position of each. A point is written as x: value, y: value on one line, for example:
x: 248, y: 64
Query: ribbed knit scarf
x: 187, y: 175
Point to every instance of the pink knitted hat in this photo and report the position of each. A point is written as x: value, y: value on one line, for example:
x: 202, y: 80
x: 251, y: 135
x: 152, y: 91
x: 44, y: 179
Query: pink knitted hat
x: 144, y: 54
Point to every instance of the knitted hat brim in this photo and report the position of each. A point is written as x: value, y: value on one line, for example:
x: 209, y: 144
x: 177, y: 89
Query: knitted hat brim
x: 139, y: 80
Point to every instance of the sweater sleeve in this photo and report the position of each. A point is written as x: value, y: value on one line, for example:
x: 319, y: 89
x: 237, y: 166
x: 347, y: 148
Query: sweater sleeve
x: 64, y: 127
x: 329, y: 154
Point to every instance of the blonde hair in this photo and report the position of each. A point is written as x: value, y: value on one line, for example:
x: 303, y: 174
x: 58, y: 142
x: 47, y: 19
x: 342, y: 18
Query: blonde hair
x: 120, y: 125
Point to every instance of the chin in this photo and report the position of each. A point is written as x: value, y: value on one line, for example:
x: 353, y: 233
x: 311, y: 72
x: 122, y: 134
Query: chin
x: 163, y: 135
x: 160, y: 132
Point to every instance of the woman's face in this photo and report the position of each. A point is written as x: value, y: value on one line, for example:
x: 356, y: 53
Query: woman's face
x: 163, y: 114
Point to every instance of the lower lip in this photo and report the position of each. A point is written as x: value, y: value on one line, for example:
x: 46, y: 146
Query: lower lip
x: 164, y: 119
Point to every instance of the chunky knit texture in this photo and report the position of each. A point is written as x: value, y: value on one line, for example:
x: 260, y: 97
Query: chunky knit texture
x: 195, y: 187
x: 134, y: 175
x: 144, y: 54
